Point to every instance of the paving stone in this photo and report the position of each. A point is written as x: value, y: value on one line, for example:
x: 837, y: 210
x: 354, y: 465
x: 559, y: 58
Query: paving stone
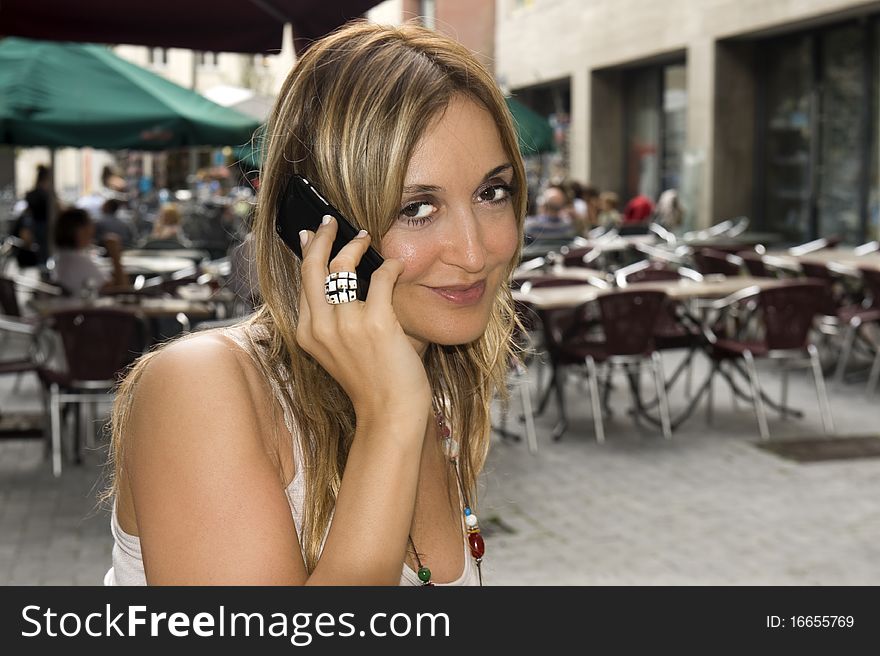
x: 707, y: 508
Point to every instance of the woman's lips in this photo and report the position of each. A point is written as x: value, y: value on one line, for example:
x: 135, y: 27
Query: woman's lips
x: 462, y: 295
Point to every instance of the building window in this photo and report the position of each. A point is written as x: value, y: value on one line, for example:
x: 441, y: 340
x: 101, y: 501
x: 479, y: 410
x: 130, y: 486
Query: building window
x: 655, y: 129
x: 157, y: 56
x: 816, y: 121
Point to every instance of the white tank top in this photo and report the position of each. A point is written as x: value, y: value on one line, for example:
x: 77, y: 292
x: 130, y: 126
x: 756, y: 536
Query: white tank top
x: 128, y: 565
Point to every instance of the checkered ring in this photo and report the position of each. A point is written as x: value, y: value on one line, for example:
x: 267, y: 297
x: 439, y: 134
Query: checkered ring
x: 341, y: 287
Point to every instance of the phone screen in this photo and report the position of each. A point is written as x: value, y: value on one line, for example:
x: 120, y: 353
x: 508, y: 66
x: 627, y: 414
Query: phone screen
x: 302, y: 207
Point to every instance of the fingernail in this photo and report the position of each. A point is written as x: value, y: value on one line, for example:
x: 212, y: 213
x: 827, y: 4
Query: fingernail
x: 327, y: 218
x: 362, y: 233
x: 303, y: 237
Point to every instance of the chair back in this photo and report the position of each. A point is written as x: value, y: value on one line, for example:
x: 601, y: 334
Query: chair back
x: 575, y: 256
x: 98, y: 342
x: 754, y: 264
x: 713, y: 262
x: 871, y: 279
x: 649, y: 272
x: 788, y: 313
x: 8, y: 300
x: 819, y: 271
x: 550, y: 281
x: 628, y: 320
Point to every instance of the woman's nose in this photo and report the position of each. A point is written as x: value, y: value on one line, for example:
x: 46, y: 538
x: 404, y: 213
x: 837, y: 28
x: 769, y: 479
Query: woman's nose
x: 465, y: 246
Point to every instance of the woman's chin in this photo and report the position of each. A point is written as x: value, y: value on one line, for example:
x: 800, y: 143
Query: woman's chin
x: 455, y: 335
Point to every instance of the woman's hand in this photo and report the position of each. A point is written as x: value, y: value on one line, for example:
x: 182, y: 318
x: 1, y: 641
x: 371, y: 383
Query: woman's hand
x: 360, y: 344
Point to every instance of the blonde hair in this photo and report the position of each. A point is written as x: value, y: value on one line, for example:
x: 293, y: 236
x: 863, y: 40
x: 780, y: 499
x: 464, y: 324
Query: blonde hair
x: 168, y: 221
x: 348, y: 117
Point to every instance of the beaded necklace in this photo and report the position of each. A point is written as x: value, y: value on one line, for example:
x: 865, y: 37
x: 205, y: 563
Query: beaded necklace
x: 475, y: 540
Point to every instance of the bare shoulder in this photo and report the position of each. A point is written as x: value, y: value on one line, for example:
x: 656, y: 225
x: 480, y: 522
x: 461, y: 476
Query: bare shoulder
x: 197, y: 356
x: 209, y: 503
x: 204, y: 368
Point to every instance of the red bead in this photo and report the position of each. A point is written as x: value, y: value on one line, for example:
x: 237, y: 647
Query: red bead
x: 478, y: 547
x: 444, y: 431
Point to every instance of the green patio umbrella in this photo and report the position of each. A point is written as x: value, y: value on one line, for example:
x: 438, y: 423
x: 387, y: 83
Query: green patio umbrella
x: 535, y: 133
x: 67, y: 94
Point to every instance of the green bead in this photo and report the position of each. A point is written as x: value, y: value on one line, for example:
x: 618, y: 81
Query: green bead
x: 424, y: 574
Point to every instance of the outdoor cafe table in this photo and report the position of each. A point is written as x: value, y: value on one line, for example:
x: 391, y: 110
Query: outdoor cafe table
x: 842, y: 257
x: 563, y: 273
x: 149, y: 307
x: 554, y: 298
x: 149, y: 265
x: 546, y: 299
x: 154, y: 264
x: 541, y: 247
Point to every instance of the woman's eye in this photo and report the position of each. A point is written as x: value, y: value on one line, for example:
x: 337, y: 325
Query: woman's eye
x: 495, y: 193
x: 417, y: 211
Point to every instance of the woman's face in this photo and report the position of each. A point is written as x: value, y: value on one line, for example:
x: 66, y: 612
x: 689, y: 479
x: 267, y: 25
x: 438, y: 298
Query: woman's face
x: 456, y: 230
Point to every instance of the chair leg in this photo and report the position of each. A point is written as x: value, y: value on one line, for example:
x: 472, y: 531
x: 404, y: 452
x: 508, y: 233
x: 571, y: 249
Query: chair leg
x: 733, y: 404
x: 821, y: 392
x: 91, y: 436
x: 55, y: 428
x: 848, y: 341
x: 526, y: 397
x: 562, y: 426
x: 660, y: 382
x: 756, y: 394
x: 783, y: 405
x: 689, y: 378
x: 875, y: 374
x: 594, y: 398
x: 710, y: 394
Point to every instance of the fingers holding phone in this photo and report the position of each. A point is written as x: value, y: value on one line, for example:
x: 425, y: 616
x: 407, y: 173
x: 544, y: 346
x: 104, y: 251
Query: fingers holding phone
x: 361, y: 344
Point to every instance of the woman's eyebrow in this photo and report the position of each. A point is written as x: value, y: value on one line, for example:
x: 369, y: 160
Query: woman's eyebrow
x: 421, y: 188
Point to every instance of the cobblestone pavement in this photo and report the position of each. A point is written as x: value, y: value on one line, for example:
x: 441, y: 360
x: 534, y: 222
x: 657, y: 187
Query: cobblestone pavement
x: 707, y: 507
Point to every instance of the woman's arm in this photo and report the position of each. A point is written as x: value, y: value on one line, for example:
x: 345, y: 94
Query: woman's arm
x: 118, y: 279
x: 209, y: 502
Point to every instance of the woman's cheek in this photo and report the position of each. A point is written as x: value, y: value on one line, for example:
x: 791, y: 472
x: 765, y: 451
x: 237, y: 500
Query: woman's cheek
x: 505, y: 241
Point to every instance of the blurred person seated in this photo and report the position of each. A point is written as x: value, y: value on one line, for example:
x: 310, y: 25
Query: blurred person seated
x: 168, y: 231
x: 113, y: 180
x: 609, y: 210
x: 669, y: 212
x: 638, y: 210
x: 112, y: 186
x: 109, y: 222
x: 74, y: 269
x: 555, y: 218
x: 584, y: 201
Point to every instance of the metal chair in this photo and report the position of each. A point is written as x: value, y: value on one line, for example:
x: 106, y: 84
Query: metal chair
x: 755, y: 265
x: 669, y: 332
x: 815, y: 245
x: 787, y: 314
x: 627, y: 320
x: 714, y: 262
x: 584, y: 256
x: 871, y: 278
x: 527, y: 320
x: 98, y: 344
x: 536, y: 322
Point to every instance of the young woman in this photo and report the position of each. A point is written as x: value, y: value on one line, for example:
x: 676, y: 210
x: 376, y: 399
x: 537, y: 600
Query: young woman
x: 320, y: 443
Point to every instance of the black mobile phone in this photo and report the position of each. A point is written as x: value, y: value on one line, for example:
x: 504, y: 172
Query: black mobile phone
x: 302, y: 207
